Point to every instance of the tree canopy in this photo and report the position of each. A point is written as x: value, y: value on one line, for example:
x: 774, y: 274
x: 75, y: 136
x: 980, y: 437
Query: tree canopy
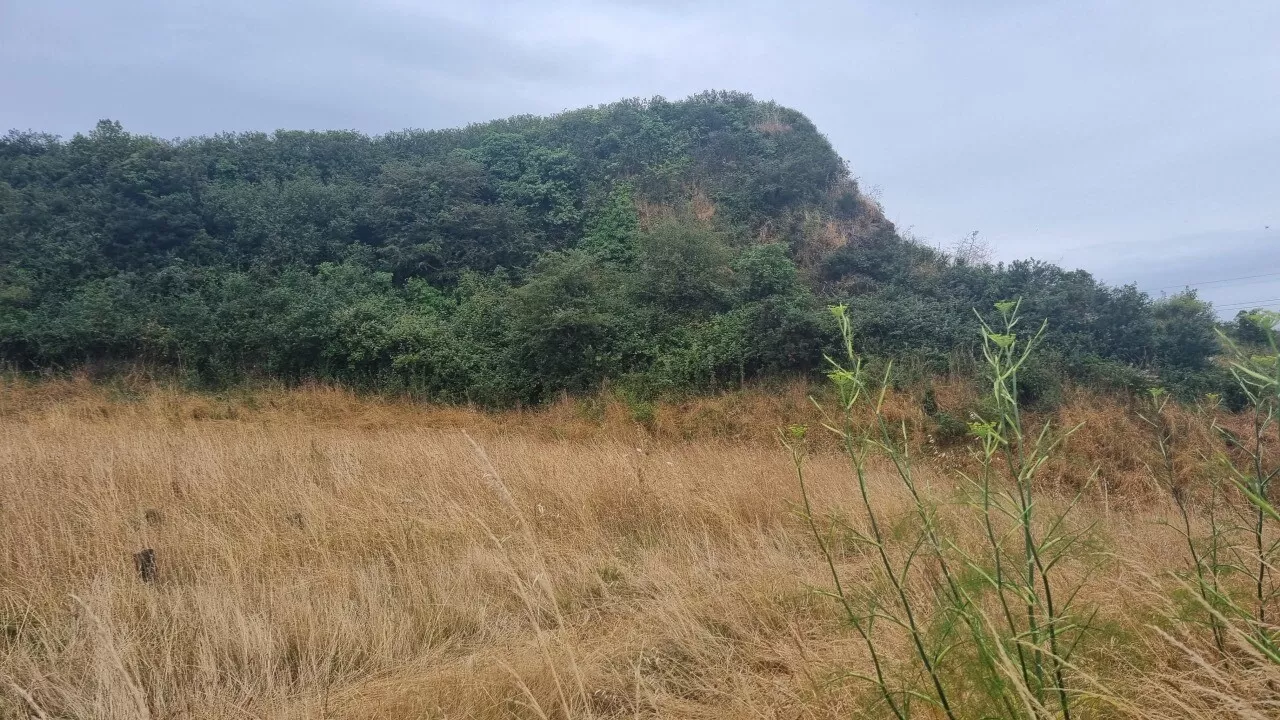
x: 668, y: 246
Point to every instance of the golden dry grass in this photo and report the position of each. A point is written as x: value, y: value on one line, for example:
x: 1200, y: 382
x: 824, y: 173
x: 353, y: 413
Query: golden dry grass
x: 322, y: 556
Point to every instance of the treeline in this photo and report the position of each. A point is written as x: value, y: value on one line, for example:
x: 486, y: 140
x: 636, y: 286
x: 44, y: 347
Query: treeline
x: 661, y: 246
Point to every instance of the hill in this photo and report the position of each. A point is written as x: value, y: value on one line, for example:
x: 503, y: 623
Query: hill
x: 660, y: 246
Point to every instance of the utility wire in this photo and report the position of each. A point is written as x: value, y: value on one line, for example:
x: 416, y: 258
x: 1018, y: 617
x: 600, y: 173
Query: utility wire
x: 1251, y: 304
x: 1213, y: 282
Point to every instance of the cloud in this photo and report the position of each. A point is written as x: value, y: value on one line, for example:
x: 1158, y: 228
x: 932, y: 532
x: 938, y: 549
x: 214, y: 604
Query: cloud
x: 1072, y: 131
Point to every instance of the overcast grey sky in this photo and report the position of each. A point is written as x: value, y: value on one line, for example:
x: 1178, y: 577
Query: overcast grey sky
x: 1137, y: 139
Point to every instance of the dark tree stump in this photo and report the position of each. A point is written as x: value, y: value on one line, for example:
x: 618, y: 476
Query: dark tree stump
x: 145, y: 562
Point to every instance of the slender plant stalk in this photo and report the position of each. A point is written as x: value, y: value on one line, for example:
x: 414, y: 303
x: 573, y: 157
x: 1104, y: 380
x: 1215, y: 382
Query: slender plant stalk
x: 1165, y: 437
x: 1036, y: 640
x: 1022, y: 459
x: 797, y: 457
x: 1258, y: 377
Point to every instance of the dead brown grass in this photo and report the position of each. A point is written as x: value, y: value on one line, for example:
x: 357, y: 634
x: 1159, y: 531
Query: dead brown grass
x: 323, y: 555
x: 753, y: 415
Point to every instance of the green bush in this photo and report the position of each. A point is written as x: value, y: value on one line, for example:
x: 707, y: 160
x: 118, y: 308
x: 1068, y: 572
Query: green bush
x: 683, y: 246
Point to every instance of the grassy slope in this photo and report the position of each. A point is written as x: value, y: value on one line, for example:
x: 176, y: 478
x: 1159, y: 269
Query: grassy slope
x: 323, y: 556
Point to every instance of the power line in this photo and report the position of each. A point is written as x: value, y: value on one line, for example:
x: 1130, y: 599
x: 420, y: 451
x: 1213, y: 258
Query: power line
x: 1251, y: 304
x: 1214, y: 282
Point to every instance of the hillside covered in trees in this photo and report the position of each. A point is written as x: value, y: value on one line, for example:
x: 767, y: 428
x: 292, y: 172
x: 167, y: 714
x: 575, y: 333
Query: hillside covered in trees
x: 659, y: 246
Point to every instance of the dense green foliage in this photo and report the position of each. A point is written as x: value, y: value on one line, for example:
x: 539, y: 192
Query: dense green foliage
x: 663, y: 246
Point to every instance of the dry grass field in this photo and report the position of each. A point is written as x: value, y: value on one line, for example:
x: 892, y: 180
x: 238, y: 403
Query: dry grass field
x: 322, y: 556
